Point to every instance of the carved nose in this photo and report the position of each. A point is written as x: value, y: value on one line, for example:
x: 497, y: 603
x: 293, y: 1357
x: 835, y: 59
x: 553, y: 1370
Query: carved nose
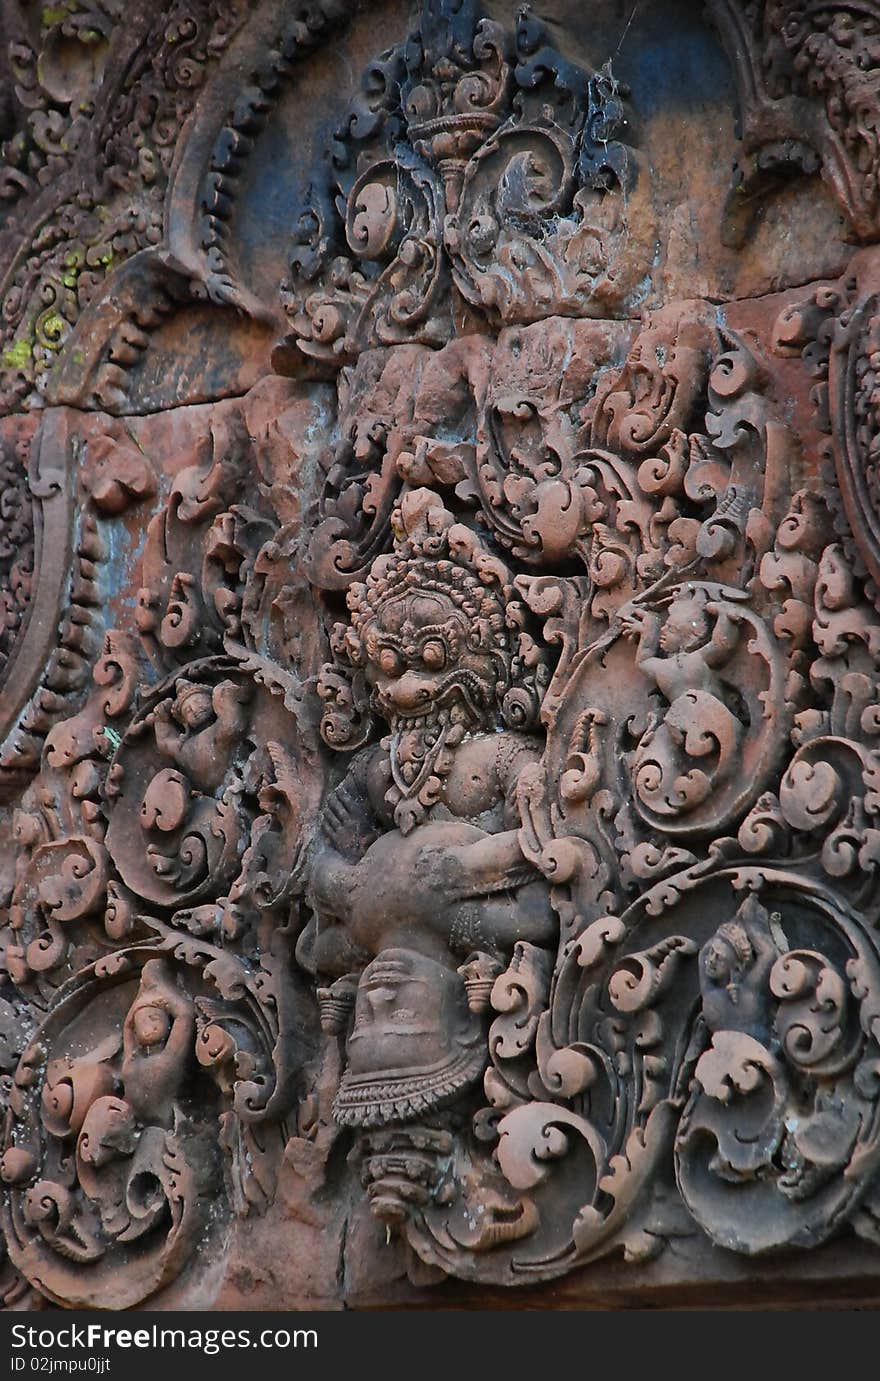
x: 409, y: 692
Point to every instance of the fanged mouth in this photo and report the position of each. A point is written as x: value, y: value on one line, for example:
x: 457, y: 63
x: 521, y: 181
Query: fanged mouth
x: 413, y: 721
x: 453, y: 703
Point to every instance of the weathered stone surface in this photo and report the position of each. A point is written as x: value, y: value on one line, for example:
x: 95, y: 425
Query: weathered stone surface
x: 439, y: 654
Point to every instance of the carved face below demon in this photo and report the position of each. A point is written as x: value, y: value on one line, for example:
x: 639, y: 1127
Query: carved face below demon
x: 414, y: 1043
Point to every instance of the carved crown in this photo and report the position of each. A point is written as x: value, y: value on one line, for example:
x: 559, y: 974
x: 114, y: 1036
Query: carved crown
x: 434, y: 552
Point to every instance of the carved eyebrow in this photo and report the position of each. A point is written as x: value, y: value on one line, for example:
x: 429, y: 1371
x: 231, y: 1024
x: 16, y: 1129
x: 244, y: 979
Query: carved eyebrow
x: 419, y: 635
x: 437, y: 630
x: 381, y: 638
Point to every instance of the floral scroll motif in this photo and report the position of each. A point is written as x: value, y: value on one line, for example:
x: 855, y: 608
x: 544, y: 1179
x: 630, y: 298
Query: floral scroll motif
x: 491, y: 165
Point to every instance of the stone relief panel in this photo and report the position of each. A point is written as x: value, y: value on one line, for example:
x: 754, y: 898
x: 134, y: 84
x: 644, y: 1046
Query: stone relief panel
x: 440, y: 650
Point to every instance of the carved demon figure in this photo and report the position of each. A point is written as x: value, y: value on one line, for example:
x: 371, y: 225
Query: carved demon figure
x: 418, y: 863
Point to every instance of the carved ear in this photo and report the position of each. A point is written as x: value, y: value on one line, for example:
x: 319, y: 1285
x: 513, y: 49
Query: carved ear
x: 346, y: 721
x: 520, y: 707
x: 529, y: 673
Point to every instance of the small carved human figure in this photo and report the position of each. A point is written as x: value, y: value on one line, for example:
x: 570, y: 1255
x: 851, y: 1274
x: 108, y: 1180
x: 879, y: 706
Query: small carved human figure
x: 200, y: 728
x: 735, y: 966
x: 692, y: 648
x: 682, y: 654
x: 158, y: 1041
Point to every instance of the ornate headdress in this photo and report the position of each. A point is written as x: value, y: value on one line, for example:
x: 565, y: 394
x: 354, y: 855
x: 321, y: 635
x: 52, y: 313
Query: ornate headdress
x: 436, y: 555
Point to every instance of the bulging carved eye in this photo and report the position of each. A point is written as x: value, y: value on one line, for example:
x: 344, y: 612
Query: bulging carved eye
x: 434, y: 654
x: 390, y: 663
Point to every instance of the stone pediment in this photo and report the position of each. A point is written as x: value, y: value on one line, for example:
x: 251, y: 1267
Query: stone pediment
x: 440, y: 654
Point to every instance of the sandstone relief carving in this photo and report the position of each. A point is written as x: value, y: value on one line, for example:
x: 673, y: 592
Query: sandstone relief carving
x: 439, y: 646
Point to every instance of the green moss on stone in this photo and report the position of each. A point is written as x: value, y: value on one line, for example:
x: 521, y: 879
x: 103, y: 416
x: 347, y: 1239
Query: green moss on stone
x: 16, y: 355
x: 53, y: 327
